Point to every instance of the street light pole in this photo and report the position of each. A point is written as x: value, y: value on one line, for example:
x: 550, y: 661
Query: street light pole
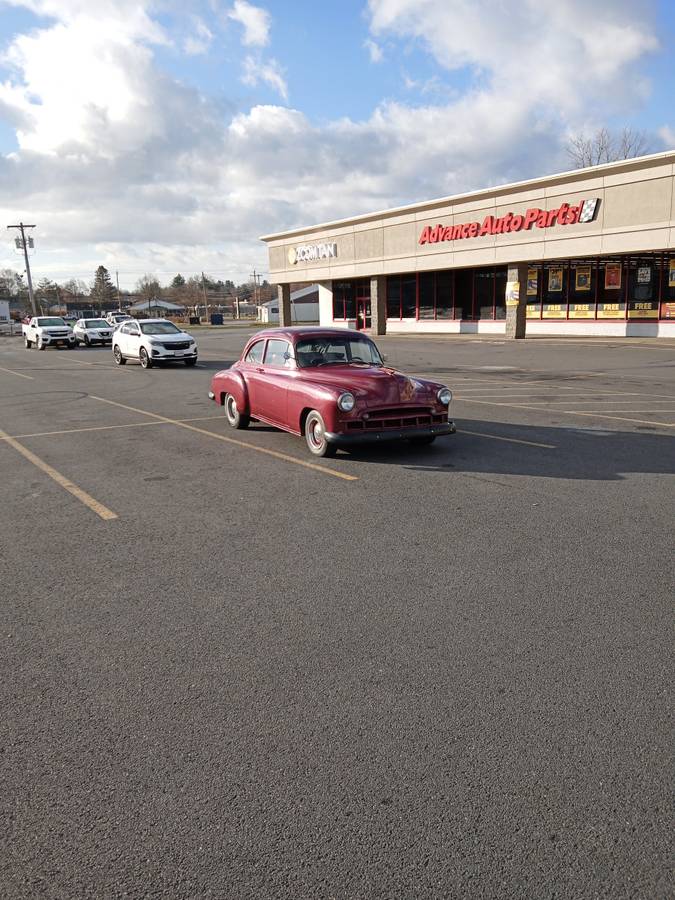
x: 21, y: 227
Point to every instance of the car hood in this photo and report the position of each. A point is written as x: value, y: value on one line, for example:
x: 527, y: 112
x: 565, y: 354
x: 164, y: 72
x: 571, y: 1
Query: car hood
x: 170, y: 338
x: 375, y: 386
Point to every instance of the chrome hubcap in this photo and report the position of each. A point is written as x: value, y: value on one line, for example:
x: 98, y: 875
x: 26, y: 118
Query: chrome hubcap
x: 231, y: 409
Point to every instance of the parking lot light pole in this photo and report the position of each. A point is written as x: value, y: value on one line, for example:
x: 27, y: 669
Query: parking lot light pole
x: 21, y: 227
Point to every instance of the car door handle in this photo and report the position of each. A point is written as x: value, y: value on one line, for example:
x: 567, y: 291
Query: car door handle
x: 259, y: 369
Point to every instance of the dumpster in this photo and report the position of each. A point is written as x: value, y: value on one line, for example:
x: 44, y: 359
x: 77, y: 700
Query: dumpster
x: 216, y: 318
x: 194, y: 320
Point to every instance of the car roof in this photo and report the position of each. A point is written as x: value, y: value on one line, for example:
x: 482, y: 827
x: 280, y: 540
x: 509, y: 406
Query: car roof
x: 295, y: 332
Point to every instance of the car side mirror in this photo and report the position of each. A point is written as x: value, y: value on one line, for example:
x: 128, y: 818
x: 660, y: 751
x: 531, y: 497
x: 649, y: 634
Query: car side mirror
x: 288, y: 356
x: 384, y: 357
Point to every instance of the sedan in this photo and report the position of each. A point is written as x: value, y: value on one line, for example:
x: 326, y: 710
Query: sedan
x: 330, y: 386
x: 92, y: 331
x: 153, y: 341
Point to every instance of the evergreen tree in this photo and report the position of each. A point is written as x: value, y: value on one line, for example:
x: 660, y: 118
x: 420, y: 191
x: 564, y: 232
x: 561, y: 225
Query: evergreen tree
x: 178, y: 281
x: 103, y: 290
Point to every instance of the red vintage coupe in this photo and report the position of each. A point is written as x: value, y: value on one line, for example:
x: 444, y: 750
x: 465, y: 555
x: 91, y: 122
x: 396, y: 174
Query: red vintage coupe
x: 331, y: 386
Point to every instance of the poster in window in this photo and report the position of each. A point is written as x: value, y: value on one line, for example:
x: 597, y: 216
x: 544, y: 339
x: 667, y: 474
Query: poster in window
x: 613, y: 276
x: 644, y: 275
x: 532, y: 278
x: 583, y: 278
x: 555, y: 280
x: 671, y: 273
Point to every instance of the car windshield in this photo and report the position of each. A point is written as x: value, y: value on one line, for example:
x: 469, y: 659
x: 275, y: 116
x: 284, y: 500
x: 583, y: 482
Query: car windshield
x: 336, y: 350
x: 53, y: 321
x: 96, y: 323
x: 159, y: 328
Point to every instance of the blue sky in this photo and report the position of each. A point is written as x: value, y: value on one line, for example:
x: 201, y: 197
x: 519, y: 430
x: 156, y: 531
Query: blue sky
x: 156, y: 136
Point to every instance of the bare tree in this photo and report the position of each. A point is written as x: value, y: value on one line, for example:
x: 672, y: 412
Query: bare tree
x: 605, y: 146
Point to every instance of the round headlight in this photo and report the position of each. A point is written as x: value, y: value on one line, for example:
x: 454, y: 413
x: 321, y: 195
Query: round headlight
x: 445, y: 396
x: 346, y: 402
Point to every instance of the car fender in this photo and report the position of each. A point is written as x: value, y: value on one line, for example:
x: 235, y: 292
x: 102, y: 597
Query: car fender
x: 232, y: 382
x: 303, y: 397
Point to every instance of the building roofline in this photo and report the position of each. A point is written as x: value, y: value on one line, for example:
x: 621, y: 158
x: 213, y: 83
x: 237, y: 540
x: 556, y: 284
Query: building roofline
x: 453, y: 198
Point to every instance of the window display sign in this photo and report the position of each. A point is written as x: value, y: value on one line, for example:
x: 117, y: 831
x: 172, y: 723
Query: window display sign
x: 582, y: 311
x: 671, y: 273
x: 534, y: 310
x: 611, y: 310
x: 583, y: 278
x: 554, y: 310
x: 613, y: 276
x: 644, y: 275
x: 643, y: 311
x: 668, y: 310
x: 555, y: 280
x: 532, y: 279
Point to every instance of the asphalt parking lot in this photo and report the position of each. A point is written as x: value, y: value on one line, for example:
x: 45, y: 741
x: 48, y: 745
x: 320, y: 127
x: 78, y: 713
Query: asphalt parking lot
x: 231, y: 670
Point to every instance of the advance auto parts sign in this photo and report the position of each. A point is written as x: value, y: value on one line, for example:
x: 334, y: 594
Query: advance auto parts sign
x: 541, y: 218
x: 310, y: 252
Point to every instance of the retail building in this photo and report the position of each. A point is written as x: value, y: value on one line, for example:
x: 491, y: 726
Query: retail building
x: 588, y: 252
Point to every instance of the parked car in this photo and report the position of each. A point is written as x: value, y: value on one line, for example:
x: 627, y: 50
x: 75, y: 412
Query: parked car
x: 113, y: 318
x: 332, y: 387
x: 153, y: 341
x: 92, y: 331
x: 47, y: 331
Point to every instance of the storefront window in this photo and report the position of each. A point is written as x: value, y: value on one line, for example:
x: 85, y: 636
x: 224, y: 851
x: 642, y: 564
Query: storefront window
x: 535, y: 277
x: 444, y: 304
x: 582, y: 286
x: 464, y: 294
x: 500, y: 293
x: 409, y: 296
x: 642, y: 288
x: 554, y: 291
x: 668, y: 287
x: 483, y: 289
x: 394, y: 297
x: 344, y: 306
x: 427, y: 289
x: 611, y: 288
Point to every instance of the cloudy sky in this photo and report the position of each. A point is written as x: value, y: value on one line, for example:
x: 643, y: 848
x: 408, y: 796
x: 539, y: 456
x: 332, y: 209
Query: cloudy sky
x: 157, y: 137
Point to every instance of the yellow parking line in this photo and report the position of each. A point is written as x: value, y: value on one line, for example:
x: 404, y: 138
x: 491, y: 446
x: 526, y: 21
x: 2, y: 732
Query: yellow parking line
x: 499, y: 437
x: 18, y: 374
x: 104, y: 428
x: 569, y: 412
x: 219, y: 437
x: 60, y: 479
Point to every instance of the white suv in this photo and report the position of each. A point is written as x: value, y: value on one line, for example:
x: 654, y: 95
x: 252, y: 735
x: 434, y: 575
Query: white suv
x: 93, y: 331
x: 114, y: 318
x: 152, y: 341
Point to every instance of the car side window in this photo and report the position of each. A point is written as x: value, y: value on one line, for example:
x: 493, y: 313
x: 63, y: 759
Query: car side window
x: 255, y: 354
x: 133, y: 328
x: 277, y: 354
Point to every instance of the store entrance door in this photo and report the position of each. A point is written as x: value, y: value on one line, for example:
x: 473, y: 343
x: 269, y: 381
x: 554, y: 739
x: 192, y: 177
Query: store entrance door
x: 362, y: 305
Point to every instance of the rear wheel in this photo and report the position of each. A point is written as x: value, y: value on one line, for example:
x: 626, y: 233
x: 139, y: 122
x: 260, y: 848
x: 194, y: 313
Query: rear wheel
x: 117, y: 356
x: 315, y: 435
x: 146, y: 362
x: 235, y: 418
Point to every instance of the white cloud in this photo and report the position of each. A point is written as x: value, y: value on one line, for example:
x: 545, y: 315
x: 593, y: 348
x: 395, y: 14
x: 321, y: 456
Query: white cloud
x: 255, y: 21
x: 119, y: 163
x: 199, y: 41
x: 374, y: 51
x: 256, y: 71
x: 667, y: 135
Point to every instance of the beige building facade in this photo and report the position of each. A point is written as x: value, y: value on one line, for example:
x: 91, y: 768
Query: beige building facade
x: 588, y: 252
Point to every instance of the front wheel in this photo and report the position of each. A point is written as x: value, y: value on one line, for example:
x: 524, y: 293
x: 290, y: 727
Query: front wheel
x: 39, y: 345
x: 27, y: 344
x: 235, y: 418
x: 146, y: 362
x: 315, y: 435
x: 117, y: 356
x: 87, y: 342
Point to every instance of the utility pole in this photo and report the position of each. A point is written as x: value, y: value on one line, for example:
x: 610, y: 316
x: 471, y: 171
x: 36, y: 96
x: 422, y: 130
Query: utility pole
x: 206, y: 306
x: 255, y: 276
x: 22, y: 244
x: 117, y: 282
